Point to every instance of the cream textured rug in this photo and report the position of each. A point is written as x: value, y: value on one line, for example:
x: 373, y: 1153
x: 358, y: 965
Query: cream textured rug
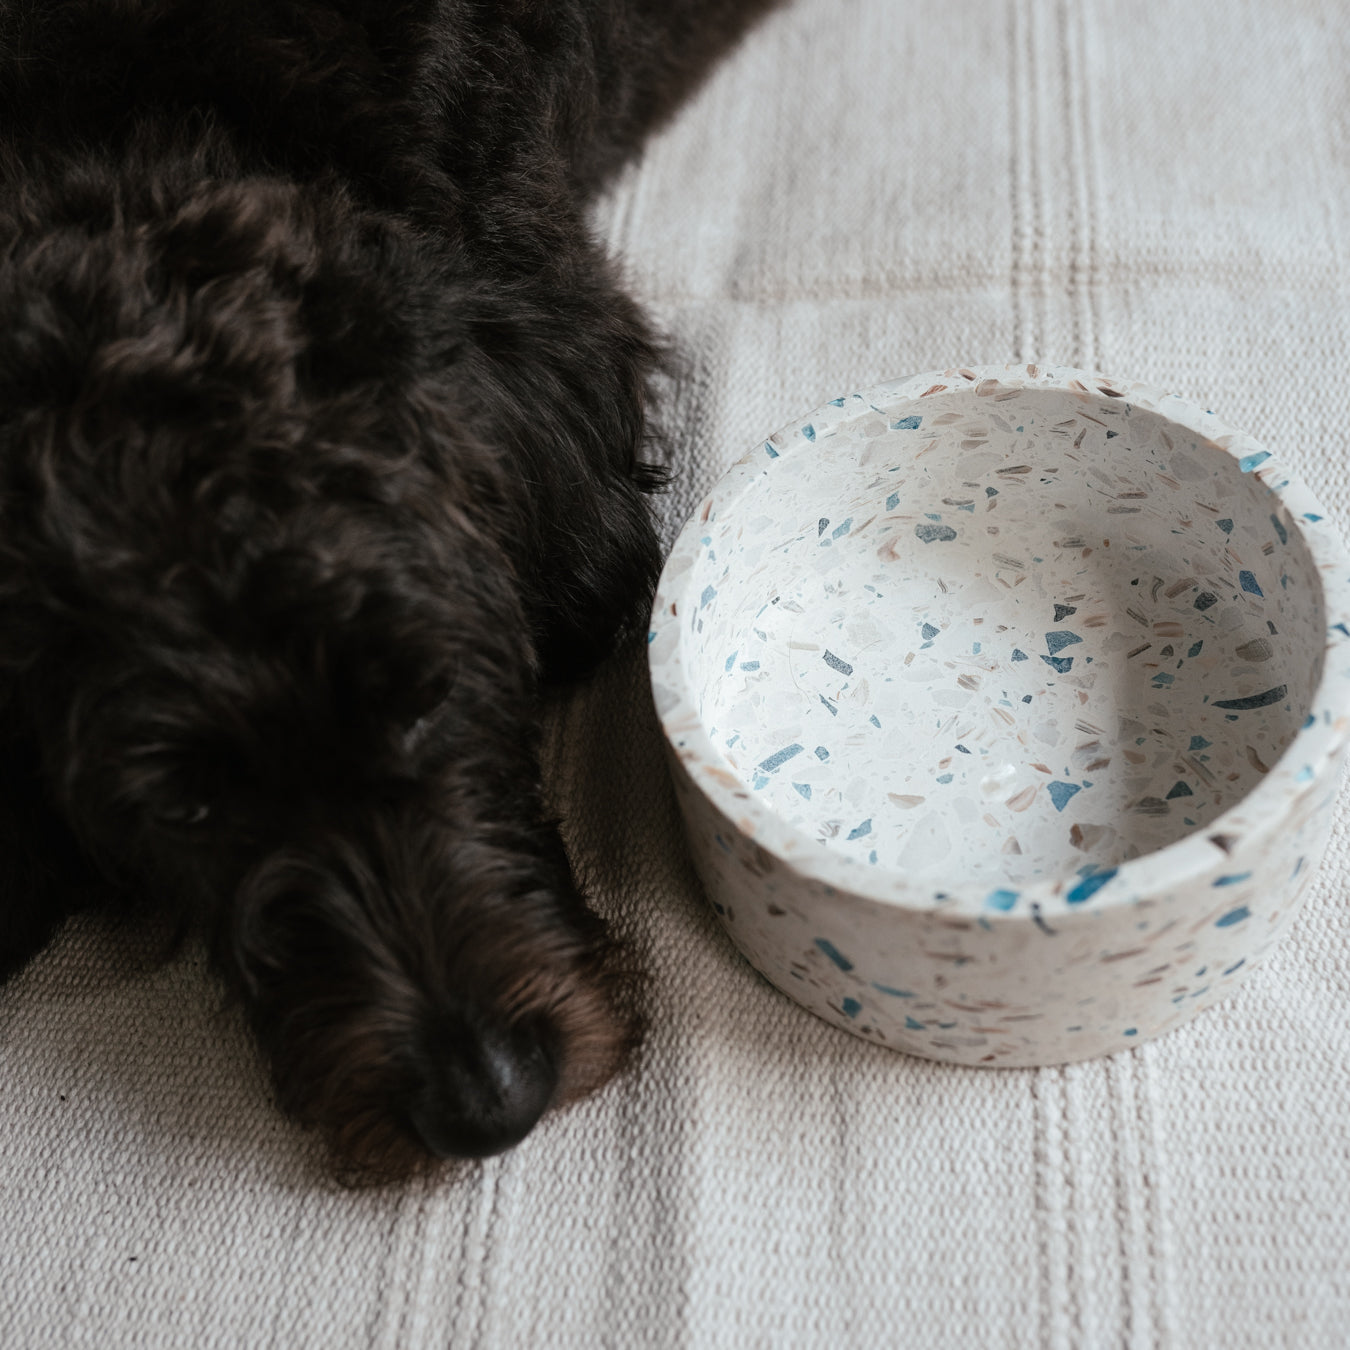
x: 1159, y: 189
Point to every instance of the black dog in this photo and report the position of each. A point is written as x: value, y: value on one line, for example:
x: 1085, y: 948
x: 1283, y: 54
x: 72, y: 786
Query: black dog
x: 321, y: 433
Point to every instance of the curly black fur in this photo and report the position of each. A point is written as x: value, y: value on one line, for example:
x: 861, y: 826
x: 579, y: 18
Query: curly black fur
x: 322, y: 422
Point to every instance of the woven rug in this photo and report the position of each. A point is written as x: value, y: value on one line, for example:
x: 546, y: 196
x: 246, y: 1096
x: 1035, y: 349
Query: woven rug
x: 1158, y: 189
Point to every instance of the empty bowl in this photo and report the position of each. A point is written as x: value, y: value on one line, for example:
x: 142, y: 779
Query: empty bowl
x: 1006, y: 709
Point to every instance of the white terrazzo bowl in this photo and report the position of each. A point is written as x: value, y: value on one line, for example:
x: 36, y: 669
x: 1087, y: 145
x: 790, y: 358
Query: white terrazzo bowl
x: 1006, y: 709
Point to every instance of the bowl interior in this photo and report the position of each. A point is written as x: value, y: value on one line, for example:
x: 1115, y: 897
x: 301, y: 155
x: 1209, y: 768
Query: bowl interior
x: 1027, y: 634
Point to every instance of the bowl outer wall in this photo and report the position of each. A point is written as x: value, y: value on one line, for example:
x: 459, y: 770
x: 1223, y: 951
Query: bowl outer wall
x: 1024, y: 992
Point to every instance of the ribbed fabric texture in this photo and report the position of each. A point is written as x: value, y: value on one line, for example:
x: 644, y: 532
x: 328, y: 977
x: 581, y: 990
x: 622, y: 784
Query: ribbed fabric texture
x: 1158, y: 189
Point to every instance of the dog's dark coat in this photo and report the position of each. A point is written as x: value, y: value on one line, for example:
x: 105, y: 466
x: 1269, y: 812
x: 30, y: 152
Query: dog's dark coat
x: 321, y: 435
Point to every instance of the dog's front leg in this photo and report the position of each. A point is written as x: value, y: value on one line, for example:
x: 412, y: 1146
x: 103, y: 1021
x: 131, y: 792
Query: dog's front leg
x: 652, y: 55
x: 43, y: 877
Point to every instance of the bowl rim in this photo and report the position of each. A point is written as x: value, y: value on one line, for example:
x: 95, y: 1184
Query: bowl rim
x: 1311, y: 758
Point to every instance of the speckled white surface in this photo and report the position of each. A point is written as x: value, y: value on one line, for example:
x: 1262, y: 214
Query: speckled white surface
x: 1006, y: 708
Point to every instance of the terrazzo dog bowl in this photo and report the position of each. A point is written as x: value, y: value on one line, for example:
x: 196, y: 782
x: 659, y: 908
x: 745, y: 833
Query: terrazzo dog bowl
x: 1006, y: 709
